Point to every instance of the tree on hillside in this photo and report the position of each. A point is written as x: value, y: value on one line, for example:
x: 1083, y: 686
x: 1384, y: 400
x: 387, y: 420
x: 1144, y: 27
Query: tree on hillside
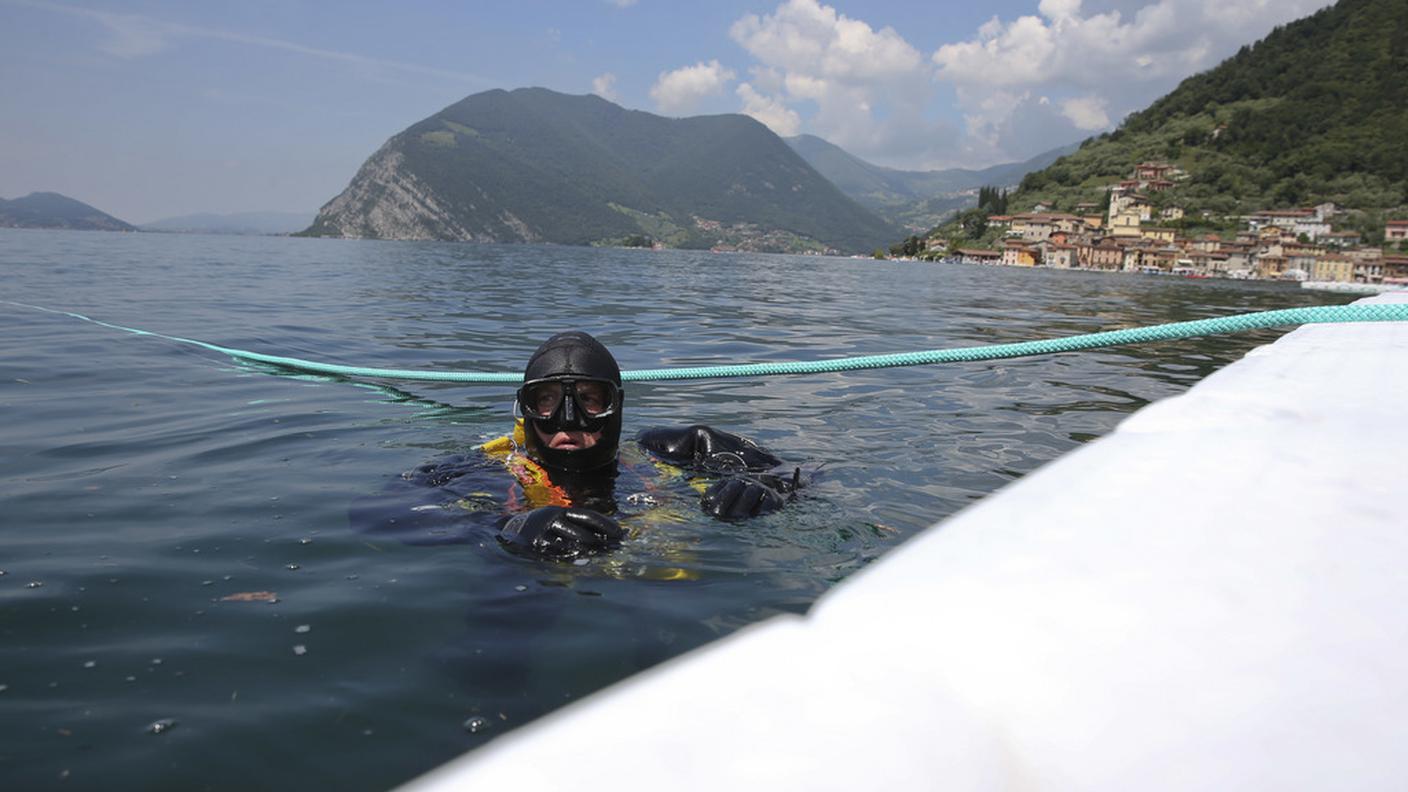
x: 992, y: 200
x: 911, y: 247
x: 974, y: 223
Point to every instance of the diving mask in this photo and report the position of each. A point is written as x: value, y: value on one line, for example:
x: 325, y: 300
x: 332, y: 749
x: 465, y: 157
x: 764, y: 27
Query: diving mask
x: 569, y: 402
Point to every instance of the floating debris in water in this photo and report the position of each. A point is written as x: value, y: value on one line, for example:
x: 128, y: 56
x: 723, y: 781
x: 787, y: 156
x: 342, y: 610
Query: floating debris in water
x: 477, y: 724
x: 131, y: 679
x: 2, y: 573
x: 292, y: 567
x: 207, y: 582
x: 34, y: 584
x: 302, y: 628
x: 91, y: 664
x: 156, y: 661
x: 300, y: 650
x: 520, y: 587
x: 163, y: 725
x: 251, y: 596
x: 641, y: 499
x: 352, y: 577
x: 4, y: 688
x: 305, y: 540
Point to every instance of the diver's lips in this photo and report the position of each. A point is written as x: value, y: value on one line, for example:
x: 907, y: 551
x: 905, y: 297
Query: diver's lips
x: 566, y: 442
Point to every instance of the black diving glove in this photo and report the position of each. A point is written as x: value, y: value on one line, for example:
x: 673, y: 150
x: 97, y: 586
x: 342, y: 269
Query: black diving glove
x: 741, y: 497
x: 703, y: 448
x: 561, y: 532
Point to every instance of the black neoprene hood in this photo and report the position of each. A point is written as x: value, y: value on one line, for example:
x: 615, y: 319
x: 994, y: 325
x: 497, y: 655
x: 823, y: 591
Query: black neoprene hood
x: 575, y: 354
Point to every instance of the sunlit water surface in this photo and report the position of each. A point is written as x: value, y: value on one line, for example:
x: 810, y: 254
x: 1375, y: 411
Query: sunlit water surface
x: 142, y: 482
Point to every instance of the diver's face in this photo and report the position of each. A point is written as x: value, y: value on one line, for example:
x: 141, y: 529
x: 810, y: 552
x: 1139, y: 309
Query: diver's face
x: 567, y: 441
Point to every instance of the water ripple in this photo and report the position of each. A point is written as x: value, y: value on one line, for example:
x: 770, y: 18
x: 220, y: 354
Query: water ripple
x: 185, y: 515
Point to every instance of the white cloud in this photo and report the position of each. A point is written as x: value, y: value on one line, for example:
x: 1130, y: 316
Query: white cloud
x: 1096, y: 66
x: 680, y: 91
x: 604, y: 85
x: 807, y: 37
x: 1059, y: 9
x: 1086, y: 112
x: 770, y: 110
x: 862, y: 88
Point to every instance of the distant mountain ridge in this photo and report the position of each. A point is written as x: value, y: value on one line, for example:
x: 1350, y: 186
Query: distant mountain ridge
x: 917, y: 199
x: 235, y: 223
x: 52, y: 210
x: 533, y: 165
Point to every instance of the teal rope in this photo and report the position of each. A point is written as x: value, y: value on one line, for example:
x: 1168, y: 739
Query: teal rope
x: 1324, y: 314
x: 297, y: 363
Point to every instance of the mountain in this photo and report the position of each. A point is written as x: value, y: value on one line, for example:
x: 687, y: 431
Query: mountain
x: 52, y: 210
x: 915, y: 199
x: 532, y: 165
x: 238, y: 223
x: 1316, y: 111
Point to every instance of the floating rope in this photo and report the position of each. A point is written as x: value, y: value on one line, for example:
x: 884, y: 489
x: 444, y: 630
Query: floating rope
x: 1324, y: 314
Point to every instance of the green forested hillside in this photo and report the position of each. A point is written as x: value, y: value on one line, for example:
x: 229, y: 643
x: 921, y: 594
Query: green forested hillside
x: 535, y: 165
x: 1316, y: 111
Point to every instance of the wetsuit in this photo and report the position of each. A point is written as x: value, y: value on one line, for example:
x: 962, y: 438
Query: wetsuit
x: 468, y: 497
x: 567, y: 470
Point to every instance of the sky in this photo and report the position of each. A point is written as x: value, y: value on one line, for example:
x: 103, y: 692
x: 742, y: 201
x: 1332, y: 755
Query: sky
x: 155, y: 109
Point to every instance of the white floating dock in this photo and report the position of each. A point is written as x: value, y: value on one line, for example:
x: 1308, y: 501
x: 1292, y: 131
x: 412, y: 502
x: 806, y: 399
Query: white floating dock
x: 1215, y: 596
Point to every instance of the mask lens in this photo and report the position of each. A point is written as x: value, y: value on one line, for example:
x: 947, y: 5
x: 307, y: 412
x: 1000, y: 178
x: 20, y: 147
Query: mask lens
x: 595, y: 398
x: 541, y: 399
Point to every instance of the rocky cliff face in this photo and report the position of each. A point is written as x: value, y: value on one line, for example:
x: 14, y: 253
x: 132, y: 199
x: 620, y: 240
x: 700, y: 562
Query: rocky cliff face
x: 385, y: 201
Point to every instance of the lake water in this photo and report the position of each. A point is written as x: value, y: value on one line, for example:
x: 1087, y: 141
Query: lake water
x: 144, y: 482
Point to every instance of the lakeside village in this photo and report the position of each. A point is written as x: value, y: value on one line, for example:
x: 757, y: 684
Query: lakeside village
x: 1294, y: 244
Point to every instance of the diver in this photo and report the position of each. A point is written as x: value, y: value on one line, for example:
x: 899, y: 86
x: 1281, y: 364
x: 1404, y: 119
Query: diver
x: 566, y: 462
